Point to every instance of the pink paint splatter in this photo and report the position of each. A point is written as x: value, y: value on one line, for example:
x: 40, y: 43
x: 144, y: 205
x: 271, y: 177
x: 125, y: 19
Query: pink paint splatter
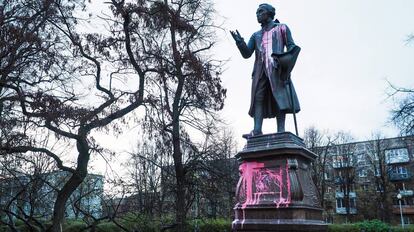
x: 258, y: 181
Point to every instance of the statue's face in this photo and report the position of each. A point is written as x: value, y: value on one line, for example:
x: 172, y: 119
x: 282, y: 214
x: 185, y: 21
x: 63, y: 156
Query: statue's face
x: 262, y: 15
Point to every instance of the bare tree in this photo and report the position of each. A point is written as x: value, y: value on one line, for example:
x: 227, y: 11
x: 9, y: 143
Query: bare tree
x: 69, y: 84
x: 24, y: 190
x: 380, y: 172
x: 187, y: 91
x: 56, y: 83
x: 403, y: 113
x: 345, y: 162
x: 320, y: 143
x: 147, y: 168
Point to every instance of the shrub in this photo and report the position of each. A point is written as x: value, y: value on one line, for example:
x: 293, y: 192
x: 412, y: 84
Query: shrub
x: 107, y: 227
x: 139, y: 222
x: 373, y: 226
x: 211, y: 225
x: 343, y: 228
x: 74, y: 226
x: 408, y: 228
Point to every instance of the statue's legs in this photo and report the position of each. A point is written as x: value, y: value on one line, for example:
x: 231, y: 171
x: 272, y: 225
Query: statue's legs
x: 259, y: 97
x: 262, y: 87
x: 280, y: 121
x: 258, y: 118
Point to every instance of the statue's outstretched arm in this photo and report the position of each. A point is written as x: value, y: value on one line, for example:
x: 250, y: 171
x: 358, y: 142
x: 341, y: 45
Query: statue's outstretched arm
x: 246, y: 50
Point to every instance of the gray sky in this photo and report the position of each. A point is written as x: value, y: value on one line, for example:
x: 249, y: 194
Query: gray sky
x: 349, y: 49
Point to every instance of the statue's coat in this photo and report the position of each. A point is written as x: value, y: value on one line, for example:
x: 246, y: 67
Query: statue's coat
x: 280, y: 89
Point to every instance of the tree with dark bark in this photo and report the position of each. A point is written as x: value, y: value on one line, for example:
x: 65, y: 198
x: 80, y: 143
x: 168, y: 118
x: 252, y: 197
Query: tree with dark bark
x: 403, y: 113
x: 24, y: 190
x: 345, y: 162
x: 147, y: 168
x: 69, y: 84
x: 320, y: 143
x: 210, y: 177
x: 58, y: 81
x: 379, y: 170
x: 187, y: 90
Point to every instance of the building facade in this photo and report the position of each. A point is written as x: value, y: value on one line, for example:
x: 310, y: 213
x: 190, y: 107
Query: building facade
x: 361, y: 180
x: 34, y: 196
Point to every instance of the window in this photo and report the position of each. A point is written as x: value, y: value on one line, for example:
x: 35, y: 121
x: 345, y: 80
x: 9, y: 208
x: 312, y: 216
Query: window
x: 399, y: 155
x: 377, y: 171
x: 380, y: 187
x: 339, y: 203
x: 362, y: 173
x: 361, y: 159
x: 406, y: 220
x: 352, y: 203
x: 399, y: 170
x: 343, y: 161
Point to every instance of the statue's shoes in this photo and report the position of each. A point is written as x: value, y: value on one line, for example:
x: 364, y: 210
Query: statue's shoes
x: 252, y: 134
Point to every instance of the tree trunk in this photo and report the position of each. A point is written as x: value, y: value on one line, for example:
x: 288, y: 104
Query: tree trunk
x: 70, y: 186
x: 180, y: 192
x: 179, y: 173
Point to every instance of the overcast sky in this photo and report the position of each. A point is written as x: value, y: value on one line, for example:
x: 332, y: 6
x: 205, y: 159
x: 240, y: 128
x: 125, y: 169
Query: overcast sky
x: 349, y: 49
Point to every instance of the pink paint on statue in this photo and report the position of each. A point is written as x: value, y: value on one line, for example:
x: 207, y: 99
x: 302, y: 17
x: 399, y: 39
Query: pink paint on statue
x: 267, y: 48
x: 257, y: 181
x: 246, y: 171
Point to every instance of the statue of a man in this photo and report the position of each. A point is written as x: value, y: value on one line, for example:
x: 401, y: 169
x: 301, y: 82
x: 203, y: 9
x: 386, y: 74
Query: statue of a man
x: 272, y: 93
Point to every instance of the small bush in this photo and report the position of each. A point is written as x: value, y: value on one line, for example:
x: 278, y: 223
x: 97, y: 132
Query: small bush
x: 139, y: 222
x: 74, y: 226
x: 211, y: 225
x: 373, y: 226
x: 407, y: 228
x: 343, y: 228
x: 107, y: 227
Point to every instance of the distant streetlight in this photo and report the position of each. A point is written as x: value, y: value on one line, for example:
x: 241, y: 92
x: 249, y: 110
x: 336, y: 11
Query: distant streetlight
x: 399, y: 200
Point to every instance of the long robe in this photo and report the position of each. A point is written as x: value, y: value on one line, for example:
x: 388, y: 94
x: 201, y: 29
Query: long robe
x: 279, y: 97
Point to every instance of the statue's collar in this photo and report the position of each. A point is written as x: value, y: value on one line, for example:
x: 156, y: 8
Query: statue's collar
x: 269, y: 26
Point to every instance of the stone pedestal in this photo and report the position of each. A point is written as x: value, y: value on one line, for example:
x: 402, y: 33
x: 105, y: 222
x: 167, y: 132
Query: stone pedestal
x: 275, y: 191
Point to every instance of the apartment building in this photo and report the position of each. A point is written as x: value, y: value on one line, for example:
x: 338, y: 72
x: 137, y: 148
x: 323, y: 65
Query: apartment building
x: 363, y: 180
x: 34, y: 196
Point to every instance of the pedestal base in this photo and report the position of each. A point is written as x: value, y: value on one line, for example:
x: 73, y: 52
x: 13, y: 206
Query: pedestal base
x: 275, y: 190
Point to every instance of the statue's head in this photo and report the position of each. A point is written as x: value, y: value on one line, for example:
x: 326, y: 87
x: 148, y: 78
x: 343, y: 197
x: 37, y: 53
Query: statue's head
x: 265, y: 13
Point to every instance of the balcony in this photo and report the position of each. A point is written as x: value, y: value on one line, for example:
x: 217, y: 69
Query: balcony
x: 342, y: 210
x: 406, y: 193
x: 400, y: 176
x: 406, y: 209
x: 397, y: 156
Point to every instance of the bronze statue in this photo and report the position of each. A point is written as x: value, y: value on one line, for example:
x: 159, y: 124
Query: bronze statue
x: 272, y: 93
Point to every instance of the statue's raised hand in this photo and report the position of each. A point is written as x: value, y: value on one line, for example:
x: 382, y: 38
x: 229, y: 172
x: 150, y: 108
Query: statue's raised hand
x: 236, y: 36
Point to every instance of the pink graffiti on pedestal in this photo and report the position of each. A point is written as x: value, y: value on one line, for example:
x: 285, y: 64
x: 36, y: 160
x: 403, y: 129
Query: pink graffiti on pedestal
x: 257, y: 182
